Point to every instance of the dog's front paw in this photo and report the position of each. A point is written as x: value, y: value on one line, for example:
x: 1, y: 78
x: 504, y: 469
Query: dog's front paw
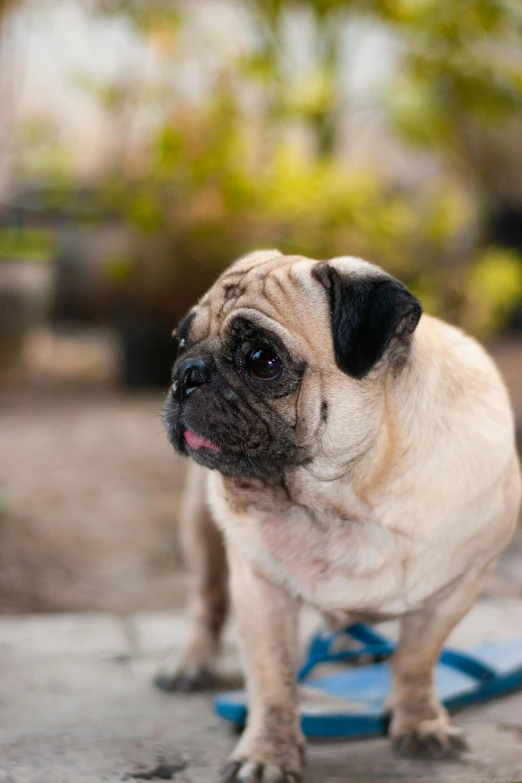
x: 429, y: 739
x: 253, y: 772
x: 186, y: 679
x: 261, y: 759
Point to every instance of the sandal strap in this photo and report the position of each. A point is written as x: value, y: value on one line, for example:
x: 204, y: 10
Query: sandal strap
x: 320, y: 648
x: 373, y: 643
x: 467, y: 664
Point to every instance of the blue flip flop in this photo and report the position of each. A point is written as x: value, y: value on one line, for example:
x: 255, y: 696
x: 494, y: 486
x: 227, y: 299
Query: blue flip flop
x: 351, y: 702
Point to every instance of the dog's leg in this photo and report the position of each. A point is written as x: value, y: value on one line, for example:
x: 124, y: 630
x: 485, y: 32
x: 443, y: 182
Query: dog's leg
x: 271, y: 748
x: 204, y: 553
x: 420, y: 726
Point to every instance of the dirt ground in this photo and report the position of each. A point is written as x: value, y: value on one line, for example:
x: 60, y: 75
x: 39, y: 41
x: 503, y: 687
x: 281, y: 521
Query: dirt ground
x: 89, y: 493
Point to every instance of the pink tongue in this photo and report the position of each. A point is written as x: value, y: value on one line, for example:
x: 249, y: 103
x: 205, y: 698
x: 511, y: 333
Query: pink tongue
x: 198, y: 441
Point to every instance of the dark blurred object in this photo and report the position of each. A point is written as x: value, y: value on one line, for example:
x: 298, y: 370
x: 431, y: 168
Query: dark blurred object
x: 85, y: 230
x: 26, y: 283
x: 506, y: 228
x: 147, y: 352
x: 91, y: 245
x: 25, y: 295
x: 50, y: 205
x: 506, y: 231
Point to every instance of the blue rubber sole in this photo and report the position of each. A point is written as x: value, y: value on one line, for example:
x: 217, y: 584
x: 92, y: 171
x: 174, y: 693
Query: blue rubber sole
x: 354, y: 698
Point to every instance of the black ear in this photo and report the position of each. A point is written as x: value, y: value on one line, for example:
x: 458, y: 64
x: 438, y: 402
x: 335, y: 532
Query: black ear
x: 368, y: 312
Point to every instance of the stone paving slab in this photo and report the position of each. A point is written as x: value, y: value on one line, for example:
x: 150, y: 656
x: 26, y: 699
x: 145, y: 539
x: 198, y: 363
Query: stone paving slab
x: 490, y: 618
x: 63, y: 634
x: 76, y: 706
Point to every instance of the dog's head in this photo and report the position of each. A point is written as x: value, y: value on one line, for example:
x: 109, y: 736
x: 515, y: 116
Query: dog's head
x: 280, y: 360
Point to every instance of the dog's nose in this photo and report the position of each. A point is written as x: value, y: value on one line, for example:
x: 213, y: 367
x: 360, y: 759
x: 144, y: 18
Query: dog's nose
x: 191, y: 374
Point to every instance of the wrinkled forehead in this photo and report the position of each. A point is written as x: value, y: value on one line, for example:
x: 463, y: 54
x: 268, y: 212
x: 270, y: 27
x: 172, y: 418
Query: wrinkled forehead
x: 276, y: 293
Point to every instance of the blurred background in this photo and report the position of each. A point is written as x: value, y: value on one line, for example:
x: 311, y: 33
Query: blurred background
x: 146, y: 144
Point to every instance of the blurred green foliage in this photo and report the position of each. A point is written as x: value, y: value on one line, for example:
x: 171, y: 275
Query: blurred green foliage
x: 222, y: 173
x: 26, y: 244
x: 494, y: 281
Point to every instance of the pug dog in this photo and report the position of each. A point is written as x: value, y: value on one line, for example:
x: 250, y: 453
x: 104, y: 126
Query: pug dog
x: 357, y: 456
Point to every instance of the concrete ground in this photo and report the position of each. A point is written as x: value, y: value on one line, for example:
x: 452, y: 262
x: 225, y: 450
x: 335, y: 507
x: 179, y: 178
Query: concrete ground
x: 77, y: 706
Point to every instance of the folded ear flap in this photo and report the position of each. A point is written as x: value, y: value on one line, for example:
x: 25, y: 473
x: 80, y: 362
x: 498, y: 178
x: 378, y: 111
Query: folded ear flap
x: 368, y: 312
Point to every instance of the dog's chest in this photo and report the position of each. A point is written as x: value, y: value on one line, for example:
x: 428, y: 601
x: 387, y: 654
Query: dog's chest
x: 312, y: 547
x: 334, y: 563
x: 337, y: 562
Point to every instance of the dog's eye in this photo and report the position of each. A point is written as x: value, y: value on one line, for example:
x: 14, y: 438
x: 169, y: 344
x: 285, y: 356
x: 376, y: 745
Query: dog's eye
x: 182, y: 344
x: 263, y: 364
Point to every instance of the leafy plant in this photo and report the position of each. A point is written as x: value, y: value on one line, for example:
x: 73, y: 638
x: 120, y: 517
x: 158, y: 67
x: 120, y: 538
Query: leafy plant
x: 256, y: 159
x: 23, y: 244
